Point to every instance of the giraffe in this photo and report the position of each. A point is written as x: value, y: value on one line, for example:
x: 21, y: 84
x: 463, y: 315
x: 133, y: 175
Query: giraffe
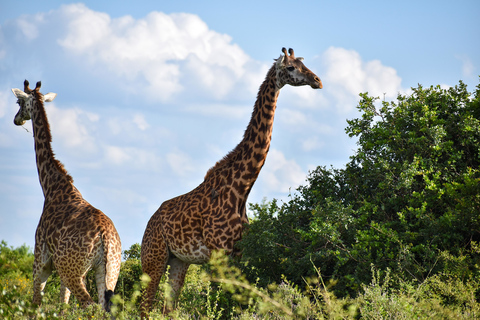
x: 185, y: 229
x: 72, y: 236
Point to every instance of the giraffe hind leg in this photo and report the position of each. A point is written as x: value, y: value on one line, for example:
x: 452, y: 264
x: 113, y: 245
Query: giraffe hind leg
x: 101, y: 287
x: 64, y: 293
x: 40, y: 275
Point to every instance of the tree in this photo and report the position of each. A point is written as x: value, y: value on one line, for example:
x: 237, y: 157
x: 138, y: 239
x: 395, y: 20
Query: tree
x: 410, y: 192
x: 130, y: 273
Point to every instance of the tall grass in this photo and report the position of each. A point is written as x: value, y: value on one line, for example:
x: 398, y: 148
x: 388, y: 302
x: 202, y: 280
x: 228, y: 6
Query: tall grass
x: 220, y: 291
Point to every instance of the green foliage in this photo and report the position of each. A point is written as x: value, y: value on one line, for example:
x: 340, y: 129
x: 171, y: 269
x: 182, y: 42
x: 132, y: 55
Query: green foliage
x: 442, y: 296
x: 130, y: 272
x: 282, y: 301
x: 15, y: 261
x: 410, y: 193
x: 133, y: 253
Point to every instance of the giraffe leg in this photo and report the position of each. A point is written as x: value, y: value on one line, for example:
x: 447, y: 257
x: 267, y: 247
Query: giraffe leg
x: 41, y: 272
x: 101, y: 287
x: 76, y: 284
x: 178, y: 271
x: 154, y: 262
x: 64, y: 293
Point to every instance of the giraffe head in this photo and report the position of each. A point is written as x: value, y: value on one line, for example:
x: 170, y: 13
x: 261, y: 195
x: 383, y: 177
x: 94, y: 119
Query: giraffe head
x: 26, y: 100
x: 292, y: 71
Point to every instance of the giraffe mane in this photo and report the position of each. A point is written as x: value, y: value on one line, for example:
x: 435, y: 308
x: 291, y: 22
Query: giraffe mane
x: 48, y: 134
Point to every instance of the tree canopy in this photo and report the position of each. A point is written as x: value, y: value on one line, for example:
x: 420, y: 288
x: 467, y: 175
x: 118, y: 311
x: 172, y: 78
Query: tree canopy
x: 408, y: 197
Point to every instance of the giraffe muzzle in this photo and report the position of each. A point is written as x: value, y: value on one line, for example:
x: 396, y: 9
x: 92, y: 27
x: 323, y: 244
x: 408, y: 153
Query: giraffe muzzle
x: 19, y: 122
x: 317, y: 84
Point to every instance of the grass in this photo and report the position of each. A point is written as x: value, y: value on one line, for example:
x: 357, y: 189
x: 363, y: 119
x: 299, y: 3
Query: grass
x: 222, y: 292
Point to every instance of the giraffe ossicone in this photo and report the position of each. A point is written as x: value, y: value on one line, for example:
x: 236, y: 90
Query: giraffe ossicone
x: 72, y: 236
x: 186, y: 229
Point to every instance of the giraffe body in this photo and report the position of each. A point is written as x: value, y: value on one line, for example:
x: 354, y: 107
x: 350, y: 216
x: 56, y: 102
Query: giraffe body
x: 185, y: 229
x: 72, y: 236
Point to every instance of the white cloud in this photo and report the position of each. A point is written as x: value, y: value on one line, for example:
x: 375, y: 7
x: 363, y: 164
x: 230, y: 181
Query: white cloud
x: 139, y: 120
x: 159, y: 49
x: 72, y: 127
x: 312, y: 143
x: 468, y: 69
x: 132, y: 158
x: 116, y: 155
x: 220, y: 110
x: 180, y: 163
x: 280, y: 174
x: 294, y: 118
x: 85, y: 28
x: 28, y: 25
x: 348, y: 75
x: 5, y: 103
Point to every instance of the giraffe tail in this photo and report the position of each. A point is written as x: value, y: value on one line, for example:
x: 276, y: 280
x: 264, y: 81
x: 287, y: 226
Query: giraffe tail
x: 112, y: 262
x: 108, y: 300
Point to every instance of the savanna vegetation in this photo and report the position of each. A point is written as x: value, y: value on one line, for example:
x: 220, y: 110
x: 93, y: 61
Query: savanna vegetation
x: 395, y: 234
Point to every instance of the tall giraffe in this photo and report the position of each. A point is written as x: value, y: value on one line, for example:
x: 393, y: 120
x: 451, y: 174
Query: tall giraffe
x: 185, y: 229
x: 72, y: 236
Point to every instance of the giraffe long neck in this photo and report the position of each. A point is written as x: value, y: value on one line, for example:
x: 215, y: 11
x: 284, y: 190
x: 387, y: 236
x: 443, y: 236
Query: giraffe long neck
x: 257, y: 137
x: 243, y: 164
x: 51, y: 172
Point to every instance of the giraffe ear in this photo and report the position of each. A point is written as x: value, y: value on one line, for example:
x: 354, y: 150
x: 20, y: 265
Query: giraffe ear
x: 49, y: 97
x: 19, y: 94
x: 300, y: 59
x: 280, y: 60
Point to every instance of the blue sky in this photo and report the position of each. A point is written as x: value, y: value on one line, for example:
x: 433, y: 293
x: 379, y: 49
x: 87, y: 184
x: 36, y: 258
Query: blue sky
x: 152, y: 93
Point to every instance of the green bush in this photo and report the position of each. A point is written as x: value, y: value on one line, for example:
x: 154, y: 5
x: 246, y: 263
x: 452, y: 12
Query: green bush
x: 15, y: 261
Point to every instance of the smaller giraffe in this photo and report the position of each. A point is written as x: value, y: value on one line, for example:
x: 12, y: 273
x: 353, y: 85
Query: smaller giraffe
x: 72, y: 236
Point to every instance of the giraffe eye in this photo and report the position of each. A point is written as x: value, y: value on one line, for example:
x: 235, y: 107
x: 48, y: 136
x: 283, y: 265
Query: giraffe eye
x: 290, y: 68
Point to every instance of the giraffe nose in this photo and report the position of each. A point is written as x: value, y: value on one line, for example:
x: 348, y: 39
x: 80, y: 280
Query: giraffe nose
x: 318, y: 83
x: 19, y: 123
